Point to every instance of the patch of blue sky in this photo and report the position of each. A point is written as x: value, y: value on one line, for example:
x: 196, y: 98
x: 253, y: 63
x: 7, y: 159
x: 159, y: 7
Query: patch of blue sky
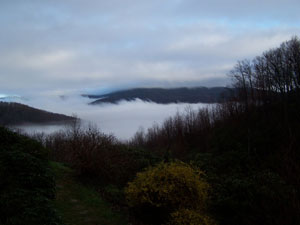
x: 9, y: 96
x: 3, y: 96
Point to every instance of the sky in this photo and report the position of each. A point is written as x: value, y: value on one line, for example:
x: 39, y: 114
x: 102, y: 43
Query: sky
x: 62, y: 47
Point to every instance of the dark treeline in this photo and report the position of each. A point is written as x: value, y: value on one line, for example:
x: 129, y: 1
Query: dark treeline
x: 16, y: 113
x: 96, y: 155
x: 251, y: 158
x: 275, y: 74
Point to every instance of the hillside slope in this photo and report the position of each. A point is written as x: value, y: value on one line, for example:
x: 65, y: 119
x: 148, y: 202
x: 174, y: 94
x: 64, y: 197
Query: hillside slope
x: 165, y: 96
x: 16, y: 113
x: 80, y: 204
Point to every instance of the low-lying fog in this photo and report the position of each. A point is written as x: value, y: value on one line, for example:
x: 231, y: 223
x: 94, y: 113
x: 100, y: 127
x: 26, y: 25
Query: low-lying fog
x: 122, y: 119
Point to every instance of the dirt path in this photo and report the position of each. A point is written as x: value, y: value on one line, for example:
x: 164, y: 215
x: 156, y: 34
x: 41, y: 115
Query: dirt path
x: 80, y: 205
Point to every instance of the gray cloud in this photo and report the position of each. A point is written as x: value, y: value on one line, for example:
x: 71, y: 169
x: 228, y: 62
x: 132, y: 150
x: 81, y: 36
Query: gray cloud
x: 51, y: 47
x: 278, y: 10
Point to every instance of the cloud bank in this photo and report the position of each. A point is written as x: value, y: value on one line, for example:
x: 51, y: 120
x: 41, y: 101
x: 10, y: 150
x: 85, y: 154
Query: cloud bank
x: 59, y: 47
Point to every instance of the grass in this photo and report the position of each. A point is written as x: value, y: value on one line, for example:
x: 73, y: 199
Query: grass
x: 81, y: 205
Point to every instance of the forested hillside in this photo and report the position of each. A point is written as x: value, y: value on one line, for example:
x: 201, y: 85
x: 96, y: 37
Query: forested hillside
x: 165, y: 96
x: 16, y: 113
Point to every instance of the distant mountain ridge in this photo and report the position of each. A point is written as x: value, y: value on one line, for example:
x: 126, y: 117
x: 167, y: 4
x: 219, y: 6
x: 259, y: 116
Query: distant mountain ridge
x: 12, y: 113
x: 165, y: 96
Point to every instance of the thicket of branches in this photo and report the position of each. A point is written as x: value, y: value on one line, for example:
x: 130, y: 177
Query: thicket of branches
x: 273, y: 75
x: 96, y: 156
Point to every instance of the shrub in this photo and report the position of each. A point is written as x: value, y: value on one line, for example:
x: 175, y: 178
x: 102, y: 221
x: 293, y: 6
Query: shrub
x: 160, y: 191
x: 189, y: 217
x: 242, y: 194
x: 27, y: 185
x: 98, y: 157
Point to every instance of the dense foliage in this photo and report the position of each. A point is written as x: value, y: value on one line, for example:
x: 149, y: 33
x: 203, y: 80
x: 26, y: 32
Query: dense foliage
x: 189, y: 217
x: 26, y: 182
x: 168, y: 190
x: 97, y: 156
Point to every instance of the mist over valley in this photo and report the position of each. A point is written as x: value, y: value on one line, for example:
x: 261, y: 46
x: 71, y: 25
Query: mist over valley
x: 123, y: 119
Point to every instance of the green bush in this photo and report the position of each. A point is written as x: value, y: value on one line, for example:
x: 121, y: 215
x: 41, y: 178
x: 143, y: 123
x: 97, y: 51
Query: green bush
x: 27, y: 184
x: 162, y: 190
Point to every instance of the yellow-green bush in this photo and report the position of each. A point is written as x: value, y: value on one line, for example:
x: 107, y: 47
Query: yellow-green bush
x: 162, y: 190
x: 189, y: 217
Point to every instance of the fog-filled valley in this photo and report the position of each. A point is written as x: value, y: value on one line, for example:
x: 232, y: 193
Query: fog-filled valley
x: 122, y: 120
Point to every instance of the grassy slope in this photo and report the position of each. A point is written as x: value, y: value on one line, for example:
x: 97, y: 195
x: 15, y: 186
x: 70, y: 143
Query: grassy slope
x: 80, y: 205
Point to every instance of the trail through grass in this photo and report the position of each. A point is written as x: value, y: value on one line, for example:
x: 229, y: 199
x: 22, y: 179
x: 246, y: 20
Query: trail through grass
x: 81, y: 205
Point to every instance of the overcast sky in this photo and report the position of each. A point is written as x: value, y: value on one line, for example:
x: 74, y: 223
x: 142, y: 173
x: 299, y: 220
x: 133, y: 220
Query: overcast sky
x: 55, y: 47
